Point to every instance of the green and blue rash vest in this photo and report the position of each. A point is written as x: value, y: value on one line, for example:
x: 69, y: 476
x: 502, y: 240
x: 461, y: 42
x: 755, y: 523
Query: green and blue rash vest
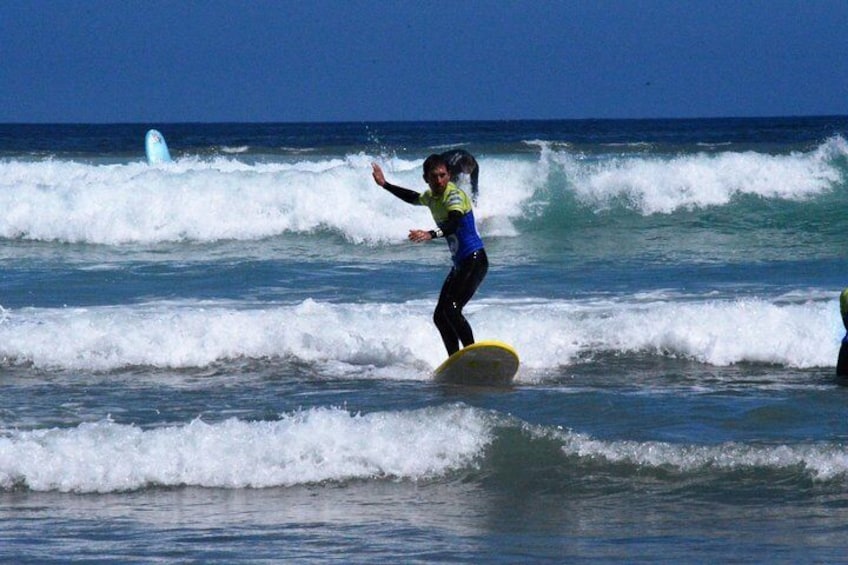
x: 464, y: 240
x: 453, y: 214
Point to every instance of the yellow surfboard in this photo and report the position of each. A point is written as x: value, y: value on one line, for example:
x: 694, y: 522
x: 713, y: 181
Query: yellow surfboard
x: 488, y: 363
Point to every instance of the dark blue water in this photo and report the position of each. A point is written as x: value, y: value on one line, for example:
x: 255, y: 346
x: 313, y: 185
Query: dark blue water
x: 230, y: 354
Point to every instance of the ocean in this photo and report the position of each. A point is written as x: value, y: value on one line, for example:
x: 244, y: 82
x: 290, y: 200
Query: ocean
x: 228, y: 357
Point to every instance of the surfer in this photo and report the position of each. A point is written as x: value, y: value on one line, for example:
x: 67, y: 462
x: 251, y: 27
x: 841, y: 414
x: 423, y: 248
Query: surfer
x: 462, y: 162
x: 842, y: 361
x: 452, y: 211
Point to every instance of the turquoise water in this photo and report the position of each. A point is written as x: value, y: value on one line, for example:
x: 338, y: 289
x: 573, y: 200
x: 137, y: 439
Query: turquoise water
x: 230, y: 354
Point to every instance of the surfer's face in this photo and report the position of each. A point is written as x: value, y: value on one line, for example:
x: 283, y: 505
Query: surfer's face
x: 437, y: 179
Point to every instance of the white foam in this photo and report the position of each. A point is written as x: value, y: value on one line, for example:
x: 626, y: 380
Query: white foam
x: 822, y: 461
x: 224, y: 198
x: 718, y: 332
x: 312, y: 446
x: 198, y: 334
x: 662, y: 184
x: 399, y: 341
x: 331, y: 444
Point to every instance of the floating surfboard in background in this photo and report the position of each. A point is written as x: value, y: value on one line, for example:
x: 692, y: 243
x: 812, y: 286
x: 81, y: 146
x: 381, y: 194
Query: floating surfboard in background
x: 156, y: 148
x: 485, y: 363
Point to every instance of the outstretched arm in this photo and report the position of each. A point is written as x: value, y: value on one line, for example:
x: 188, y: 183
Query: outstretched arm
x: 409, y: 196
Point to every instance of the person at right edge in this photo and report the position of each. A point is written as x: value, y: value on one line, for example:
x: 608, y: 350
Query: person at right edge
x: 454, y: 216
x: 842, y: 361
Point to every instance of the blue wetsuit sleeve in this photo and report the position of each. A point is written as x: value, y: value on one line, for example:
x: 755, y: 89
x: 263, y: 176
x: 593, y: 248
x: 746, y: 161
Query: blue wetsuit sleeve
x: 408, y: 196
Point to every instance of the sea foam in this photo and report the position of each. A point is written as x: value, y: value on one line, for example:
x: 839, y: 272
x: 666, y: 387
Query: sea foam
x: 320, y: 445
x: 820, y: 461
x: 224, y: 199
x: 666, y: 183
x: 194, y: 199
x: 345, y: 338
x: 310, y: 446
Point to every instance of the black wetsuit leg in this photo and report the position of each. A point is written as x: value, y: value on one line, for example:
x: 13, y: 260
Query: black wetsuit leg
x: 457, y: 290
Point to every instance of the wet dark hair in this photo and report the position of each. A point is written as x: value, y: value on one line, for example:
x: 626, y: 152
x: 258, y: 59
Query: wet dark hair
x: 433, y: 161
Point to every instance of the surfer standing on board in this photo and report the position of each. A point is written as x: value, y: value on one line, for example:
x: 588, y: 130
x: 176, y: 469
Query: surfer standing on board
x: 461, y: 162
x: 454, y: 217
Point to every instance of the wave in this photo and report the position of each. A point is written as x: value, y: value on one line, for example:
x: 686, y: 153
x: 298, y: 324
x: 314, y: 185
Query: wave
x: 387, y: 340
x: 322, y: 445
x: 663, y: 184
x: 224, y: 198
x: 221, y: 199
x: 306, y: 447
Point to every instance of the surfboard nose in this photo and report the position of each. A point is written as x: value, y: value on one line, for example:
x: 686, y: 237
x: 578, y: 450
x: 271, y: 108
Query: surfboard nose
x: 156, y: 148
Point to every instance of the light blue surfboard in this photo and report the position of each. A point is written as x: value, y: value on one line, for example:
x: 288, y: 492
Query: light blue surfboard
x: 156, y: 148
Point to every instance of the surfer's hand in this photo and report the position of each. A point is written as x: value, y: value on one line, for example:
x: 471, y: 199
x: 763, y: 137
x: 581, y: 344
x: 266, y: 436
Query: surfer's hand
x: 378, y: 175
x: 418, y: 236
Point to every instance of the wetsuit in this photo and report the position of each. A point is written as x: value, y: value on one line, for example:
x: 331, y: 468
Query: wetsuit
x: 461, y: 161
x: 842, y: 360
x: 454, y: 216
